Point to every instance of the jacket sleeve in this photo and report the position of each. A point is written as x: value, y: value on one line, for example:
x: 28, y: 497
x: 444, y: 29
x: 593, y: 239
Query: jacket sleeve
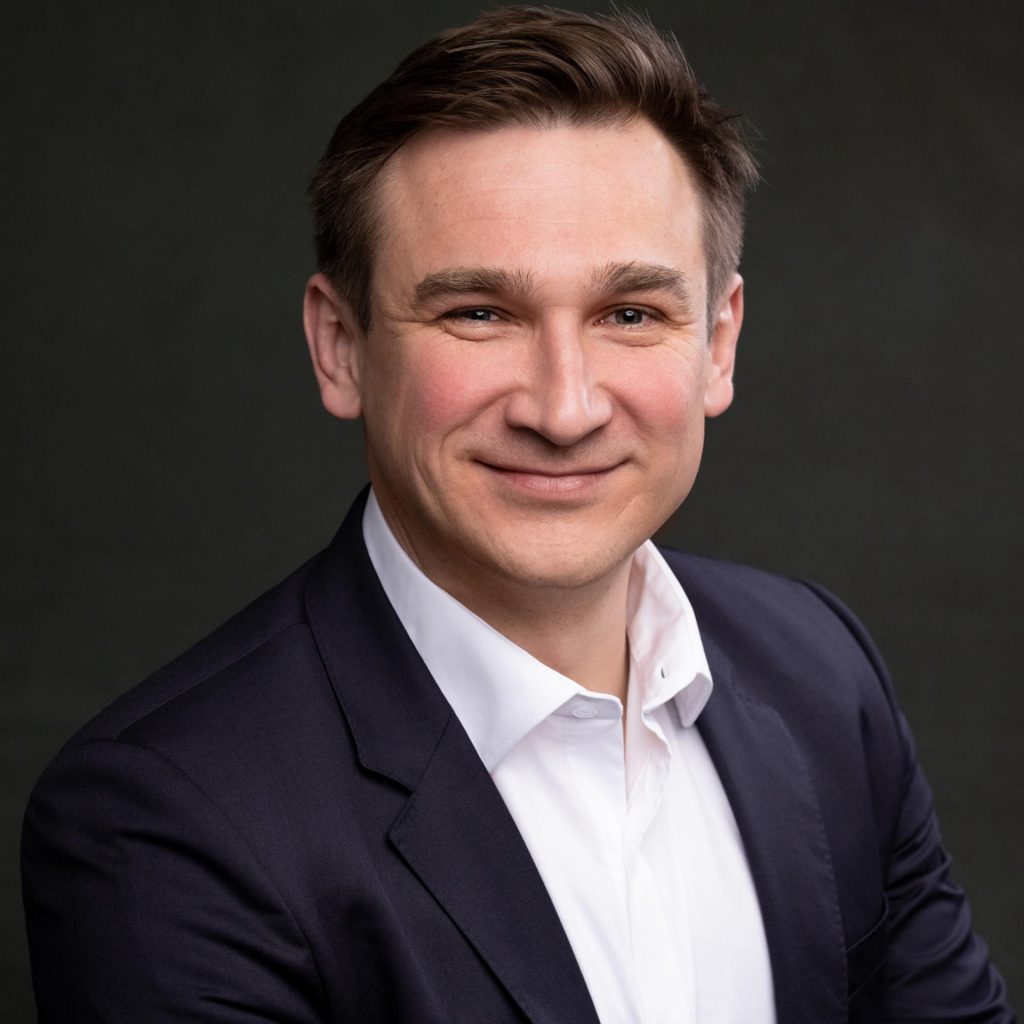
x: 936, y: 969
x: 143, y: 903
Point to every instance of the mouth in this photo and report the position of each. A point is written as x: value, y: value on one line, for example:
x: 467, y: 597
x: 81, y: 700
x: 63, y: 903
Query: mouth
x: 552, y: 482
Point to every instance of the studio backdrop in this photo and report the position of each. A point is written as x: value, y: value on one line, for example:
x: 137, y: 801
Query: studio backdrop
x: 166, y: 457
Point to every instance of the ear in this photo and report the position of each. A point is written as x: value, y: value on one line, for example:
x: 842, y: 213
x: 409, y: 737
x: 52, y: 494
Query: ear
x: 725, y: 332
x: 332, y: 335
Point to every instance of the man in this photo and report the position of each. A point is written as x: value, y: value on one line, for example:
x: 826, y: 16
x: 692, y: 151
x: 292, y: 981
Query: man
x: 491, y: 756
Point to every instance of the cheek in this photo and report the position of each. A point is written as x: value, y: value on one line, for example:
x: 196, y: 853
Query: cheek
x: 666, y: 398
x: 449, y: 387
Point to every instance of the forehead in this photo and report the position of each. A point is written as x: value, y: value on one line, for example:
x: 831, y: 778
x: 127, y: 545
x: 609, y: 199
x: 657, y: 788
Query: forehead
x: 545, y: 200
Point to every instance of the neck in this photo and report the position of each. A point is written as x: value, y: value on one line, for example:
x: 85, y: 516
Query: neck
x: 578, y: 631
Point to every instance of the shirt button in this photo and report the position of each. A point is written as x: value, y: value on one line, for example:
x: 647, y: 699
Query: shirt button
x: 584, y: 711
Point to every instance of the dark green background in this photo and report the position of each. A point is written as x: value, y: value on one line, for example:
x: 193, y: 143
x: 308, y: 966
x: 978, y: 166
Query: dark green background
x: 165, y: 457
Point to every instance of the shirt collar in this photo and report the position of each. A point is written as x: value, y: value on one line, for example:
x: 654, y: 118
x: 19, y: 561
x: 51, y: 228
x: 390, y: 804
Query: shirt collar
x: 664, y: 642
x: 499, y: 691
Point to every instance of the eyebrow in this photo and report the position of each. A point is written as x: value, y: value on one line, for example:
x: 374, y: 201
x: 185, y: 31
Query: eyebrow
x: 471, y: 280
x: 633, y: 276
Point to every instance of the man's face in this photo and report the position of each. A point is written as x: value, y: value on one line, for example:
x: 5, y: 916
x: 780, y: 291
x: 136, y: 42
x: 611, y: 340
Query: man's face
x: 537, y: 373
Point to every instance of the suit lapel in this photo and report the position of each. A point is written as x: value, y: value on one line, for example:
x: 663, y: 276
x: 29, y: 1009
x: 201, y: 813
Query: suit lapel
x: 779, y: 819
x: 455, y: 832
x: 459, y: 838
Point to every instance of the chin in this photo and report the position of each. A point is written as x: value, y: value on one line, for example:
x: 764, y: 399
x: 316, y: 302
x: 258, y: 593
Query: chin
x: 563, y: 566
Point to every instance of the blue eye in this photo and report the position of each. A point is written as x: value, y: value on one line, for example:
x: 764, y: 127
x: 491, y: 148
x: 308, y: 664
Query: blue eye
x: 476, y: 316
x: 629, y: 316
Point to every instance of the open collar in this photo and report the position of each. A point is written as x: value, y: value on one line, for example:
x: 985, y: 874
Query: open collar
x: 498, y: 690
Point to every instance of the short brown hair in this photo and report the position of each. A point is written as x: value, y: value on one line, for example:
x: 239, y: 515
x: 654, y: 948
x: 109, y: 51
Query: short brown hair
x: 529, y: 66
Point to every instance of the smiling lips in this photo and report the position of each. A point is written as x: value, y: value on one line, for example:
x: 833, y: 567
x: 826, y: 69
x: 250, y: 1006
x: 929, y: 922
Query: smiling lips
x: 551, y: 482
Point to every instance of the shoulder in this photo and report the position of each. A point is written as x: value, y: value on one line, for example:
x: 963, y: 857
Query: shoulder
x: 233, y: 738
x: 166, y: 832
x: 726, y: 595
x: 769, y: 618
x: 260, y: 665
x: 793, y: 646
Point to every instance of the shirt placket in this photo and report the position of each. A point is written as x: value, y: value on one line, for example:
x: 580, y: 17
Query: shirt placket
x: 662, y: 957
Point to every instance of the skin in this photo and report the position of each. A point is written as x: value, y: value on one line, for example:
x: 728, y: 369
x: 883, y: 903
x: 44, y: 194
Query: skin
x: 538, y: 370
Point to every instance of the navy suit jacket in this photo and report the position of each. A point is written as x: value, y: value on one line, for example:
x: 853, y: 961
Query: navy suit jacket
x: 289, y: 824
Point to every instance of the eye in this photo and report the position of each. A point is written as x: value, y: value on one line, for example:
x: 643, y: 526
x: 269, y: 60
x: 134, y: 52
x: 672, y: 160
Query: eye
x: 630, y: 316
x: 474, y: 315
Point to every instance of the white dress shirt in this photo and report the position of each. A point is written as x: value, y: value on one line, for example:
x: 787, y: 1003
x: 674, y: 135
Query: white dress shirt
x: 630, y: 829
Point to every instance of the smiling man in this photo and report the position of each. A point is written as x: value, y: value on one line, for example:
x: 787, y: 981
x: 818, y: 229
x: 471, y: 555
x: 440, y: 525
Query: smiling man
x: 493, y: 756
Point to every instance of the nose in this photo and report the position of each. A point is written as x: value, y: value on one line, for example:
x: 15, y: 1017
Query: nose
x: 559, y: 398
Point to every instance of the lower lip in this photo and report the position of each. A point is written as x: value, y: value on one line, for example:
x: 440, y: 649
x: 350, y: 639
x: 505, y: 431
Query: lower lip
x: 543, y: 485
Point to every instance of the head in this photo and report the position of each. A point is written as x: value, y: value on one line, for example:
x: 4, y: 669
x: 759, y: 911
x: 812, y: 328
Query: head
x: 528, y: 238
x: 538, y: 67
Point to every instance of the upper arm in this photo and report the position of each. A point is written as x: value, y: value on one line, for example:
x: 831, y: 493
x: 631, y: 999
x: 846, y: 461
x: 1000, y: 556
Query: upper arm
x: 936, y: 968
x: 144, y: 903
